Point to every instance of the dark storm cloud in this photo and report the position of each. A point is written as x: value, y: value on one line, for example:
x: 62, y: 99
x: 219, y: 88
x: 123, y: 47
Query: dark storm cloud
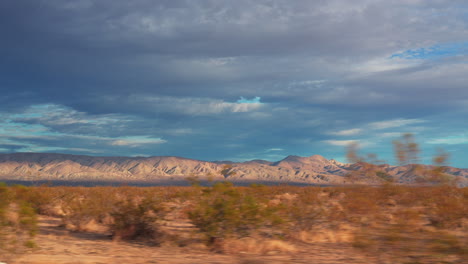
x: 102, y: 46
x: 112, y: 75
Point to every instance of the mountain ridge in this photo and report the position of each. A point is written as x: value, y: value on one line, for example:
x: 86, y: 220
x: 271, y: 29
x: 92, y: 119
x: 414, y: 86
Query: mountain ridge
x: 292, y: 169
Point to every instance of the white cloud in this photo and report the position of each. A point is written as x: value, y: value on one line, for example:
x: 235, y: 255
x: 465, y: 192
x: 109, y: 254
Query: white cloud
x: 181, y: 131
x: 384, y: 64
x: 36, y: 148
x: 451, y: 140
x: 347, y: 132
x: 390, y: 134
x: 341, y: 143
x: 135, y: 141
x: 195, y: 105
x: 394, y: 123
x: 60, y: 115
x: 274, y: 149
x: 39, y: 128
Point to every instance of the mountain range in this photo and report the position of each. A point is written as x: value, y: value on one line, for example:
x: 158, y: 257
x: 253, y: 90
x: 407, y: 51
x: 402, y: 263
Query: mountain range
x: 31, y: 167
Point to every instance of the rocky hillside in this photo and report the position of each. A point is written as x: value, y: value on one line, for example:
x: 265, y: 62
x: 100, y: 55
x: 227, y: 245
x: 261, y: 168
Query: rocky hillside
x: 293, y: 169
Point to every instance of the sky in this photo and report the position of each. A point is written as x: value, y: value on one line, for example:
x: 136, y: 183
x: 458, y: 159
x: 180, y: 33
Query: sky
x: 234, y: 80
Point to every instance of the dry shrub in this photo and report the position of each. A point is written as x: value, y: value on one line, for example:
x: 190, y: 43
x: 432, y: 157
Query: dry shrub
x: 81, y: 207
x: 407, y: 232
x: 341, y: 234
x: 18, y: 224
x: 44, y: 199
x: 361, y: 204
x: 396, y: 242
x: 134, y: 218
x: 304, y: 211
x: 127, y: 212
x: 449, y: 209
x: 225, y: 211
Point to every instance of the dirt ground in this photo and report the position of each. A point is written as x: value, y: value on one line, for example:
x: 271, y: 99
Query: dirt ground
x: 58, y: 245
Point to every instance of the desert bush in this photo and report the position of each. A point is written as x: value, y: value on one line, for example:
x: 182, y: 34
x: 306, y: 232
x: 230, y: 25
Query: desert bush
x: 43, y: 198
x: 360, y: 203
x: 83, y: 205
x: 406, y: 231
x: 136, y: 218
x: 224, y: 211
x: 304, y: 211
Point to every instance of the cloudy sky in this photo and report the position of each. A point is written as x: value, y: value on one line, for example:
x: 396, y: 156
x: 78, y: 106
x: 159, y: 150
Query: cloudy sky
x: 233, y: 80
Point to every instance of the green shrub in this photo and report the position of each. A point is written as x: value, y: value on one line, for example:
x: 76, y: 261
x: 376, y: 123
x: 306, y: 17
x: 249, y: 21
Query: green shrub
x: 225, y: 211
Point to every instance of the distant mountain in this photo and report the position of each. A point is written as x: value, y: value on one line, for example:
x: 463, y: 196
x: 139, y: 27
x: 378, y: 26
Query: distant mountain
x: 292, y: 169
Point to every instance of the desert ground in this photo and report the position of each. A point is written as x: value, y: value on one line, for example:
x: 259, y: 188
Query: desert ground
x: 59, y: 245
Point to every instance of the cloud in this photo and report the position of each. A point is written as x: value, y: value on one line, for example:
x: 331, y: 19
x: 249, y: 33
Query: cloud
x: 394, y: 123
x: 274, y: 149
x: 390, y: 134
x: 136, y: 141
x: 181, y: 131
x: 341, y: 143
x: 209, y: 74
x: 450, y: 140
x: 347, y: 132
x: 34, y: 148
x: 194, y: 105
x: 52, y: 127
x: 380, y: 125
x: 59, y: 115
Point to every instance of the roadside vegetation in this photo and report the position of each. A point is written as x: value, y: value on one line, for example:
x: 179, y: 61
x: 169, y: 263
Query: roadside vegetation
x: 18, y: 221
x: 402, y: 223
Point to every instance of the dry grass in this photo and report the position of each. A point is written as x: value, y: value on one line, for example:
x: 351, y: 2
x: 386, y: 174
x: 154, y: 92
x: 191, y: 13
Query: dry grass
x: 256, y: 246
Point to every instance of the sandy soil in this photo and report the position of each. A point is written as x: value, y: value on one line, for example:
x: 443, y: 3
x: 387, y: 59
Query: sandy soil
x: 58, y: 245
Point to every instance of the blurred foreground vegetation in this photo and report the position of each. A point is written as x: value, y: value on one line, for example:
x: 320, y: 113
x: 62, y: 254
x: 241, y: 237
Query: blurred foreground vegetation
x: 405, y: 224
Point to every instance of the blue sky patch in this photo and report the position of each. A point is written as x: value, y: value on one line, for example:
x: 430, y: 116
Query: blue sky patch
x: 255, y: 100
x: 435, y: 51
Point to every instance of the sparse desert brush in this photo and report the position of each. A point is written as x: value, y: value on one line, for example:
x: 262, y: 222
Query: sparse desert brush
x: 136, y: 218
x: 360, y: 202
x: 18, y: 223
x: 399, y: 220
x: 449, y: 210
x: 408, y: 232
x: 302, y: 210
x: 44, y: 199
x: 396, y: 242
x: 83, y: 205
x: 224, y: 211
